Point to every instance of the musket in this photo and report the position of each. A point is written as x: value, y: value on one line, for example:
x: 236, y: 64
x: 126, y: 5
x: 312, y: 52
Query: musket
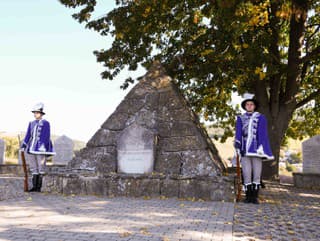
x: 24, y: 165
x: 238, y: 179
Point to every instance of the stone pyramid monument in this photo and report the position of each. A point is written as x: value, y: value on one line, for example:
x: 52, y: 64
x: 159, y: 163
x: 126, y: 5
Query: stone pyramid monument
x: 153, y: 144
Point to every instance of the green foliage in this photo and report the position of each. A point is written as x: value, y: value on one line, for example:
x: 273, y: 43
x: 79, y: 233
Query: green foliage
x: 215, y: 48
x: 290, y: 167
x: 296, y: 158
x: 212, y: 48
x: 12, y: 147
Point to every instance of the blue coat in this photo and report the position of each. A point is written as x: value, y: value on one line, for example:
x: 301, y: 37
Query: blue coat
x: 37, y: 139
x: 252, y: 136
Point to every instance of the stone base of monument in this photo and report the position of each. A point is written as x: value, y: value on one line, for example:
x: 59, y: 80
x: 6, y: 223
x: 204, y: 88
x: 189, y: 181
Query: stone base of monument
x: 11, y: 186
x: 153, y: 185
x: 17, y: 169
x: 307, y: 180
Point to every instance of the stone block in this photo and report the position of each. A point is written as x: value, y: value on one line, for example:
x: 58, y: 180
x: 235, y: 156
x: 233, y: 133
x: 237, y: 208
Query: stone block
x: 181, y: 114
x: 192, y: 188
x: 176, y: 144
x: 118, y: 186
x: 145, y: 118
x: 103, y: 137
x: 139, y: 187
x: 170, y: 188
x: 131, y: 105
x: 168, y: 163
x: 116, y: 121
x: 134, y: 187
x: 207, y: 189
x: 52, y: 183
x: 311, y: 155
x: 170, y: 100
x: 100, y: 159
x: 197, y: 163
x: 73, y: 185
x: 177, y: 128
x: 307, y: 180
x: 95, y: 186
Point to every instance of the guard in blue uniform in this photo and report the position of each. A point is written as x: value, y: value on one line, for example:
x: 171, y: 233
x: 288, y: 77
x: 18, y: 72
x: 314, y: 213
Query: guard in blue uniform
x: 252, y: 144
x: 38, y: 146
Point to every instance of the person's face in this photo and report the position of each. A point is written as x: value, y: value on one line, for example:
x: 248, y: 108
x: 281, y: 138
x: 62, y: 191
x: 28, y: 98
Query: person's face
x: 37, y: 115
x: 250, y: 106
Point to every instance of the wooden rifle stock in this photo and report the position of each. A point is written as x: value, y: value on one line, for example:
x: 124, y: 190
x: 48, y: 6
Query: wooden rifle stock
x: 238, y: 179
x: 25, y: 170
x: 24, y: 165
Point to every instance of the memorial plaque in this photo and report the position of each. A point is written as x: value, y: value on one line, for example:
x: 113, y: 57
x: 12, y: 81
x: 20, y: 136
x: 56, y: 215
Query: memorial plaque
x: 311, y: 155
x: 63, y: 147
x: 135, y: 148
x: 2, y: 150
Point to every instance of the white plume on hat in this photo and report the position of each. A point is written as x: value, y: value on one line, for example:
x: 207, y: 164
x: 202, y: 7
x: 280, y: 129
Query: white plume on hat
x: 38, y: 108
x: 248, y: 96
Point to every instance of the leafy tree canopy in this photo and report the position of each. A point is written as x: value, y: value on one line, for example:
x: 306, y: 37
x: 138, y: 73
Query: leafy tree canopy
x: 215, y: 48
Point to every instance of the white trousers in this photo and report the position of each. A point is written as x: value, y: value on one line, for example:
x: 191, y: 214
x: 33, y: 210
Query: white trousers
x: 251, y: 169
x: 37, y: 163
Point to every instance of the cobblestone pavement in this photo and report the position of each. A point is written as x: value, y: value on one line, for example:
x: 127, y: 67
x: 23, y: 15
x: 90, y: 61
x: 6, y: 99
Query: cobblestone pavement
x: 56, y: 217
x: 285, y: 213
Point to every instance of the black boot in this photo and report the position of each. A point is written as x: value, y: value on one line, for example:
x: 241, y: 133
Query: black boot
x: 39, y: 183
x: 248, y: 189
x: 35, y: 180
x: 255, y: 193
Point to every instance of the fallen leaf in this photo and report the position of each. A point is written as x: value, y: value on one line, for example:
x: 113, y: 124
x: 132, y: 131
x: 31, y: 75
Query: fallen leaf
x: 165, y: 238
x: 291, y: 232
x: 144, y: 231
x: 125, y: 234
x: 257, y: 224
x: 182, y: 205
x: 29, y: 199
x: 192, y: 199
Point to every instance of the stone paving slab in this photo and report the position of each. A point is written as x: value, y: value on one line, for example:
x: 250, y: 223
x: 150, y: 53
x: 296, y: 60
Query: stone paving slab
x: 56, y: 217
x: 285, y: 213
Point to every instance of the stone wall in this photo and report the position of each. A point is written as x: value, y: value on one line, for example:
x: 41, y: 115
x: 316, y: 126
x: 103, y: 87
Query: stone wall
x: 210, y: 188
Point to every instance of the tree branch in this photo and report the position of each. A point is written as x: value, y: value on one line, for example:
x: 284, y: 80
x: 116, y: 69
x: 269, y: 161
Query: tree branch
x: 307, y: 99
x: 311, y: 55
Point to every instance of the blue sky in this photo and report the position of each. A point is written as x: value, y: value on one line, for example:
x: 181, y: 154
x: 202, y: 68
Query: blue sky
x: 46, y: 56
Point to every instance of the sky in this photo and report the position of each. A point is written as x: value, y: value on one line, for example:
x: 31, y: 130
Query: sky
x: 47, y: 56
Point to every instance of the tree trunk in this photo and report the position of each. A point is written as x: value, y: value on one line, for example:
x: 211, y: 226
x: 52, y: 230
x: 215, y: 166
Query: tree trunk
x: 276, y: 129
x: 270, y: 169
